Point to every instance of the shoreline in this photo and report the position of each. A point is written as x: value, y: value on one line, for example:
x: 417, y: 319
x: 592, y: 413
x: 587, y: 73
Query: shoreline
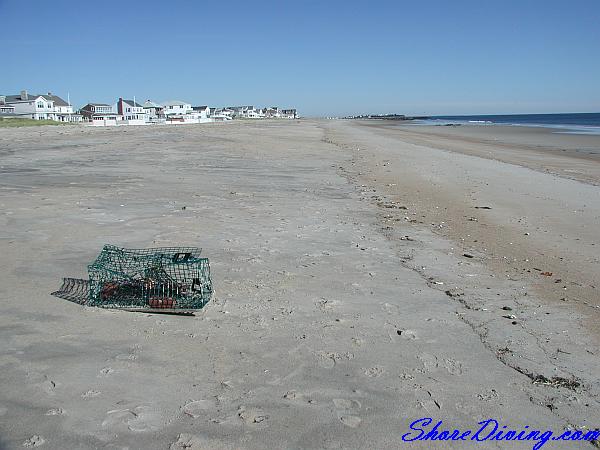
x: 537, y: 148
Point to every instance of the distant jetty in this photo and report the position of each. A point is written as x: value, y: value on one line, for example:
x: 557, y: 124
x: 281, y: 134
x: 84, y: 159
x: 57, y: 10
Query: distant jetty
x: 385, y: 117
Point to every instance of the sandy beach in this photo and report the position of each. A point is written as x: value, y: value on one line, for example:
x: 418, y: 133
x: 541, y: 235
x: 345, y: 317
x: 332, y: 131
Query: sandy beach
x: 366, y: 275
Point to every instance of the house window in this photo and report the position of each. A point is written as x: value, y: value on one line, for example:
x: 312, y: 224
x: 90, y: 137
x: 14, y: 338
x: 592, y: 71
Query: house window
x: 40, y: 105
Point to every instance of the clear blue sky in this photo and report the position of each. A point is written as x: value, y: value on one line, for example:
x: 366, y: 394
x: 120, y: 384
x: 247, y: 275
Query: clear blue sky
x: 324, y: 57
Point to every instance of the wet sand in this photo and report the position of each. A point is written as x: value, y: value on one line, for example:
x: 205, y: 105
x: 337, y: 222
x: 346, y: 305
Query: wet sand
x: 344, y: 306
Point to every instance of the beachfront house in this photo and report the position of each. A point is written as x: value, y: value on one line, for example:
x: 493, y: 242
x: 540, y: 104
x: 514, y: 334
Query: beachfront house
x: 30, y: 106
x: 155, y: 112
x: 272, y: 112
x: 177, y: 111
x: 249, y: 112
x: 132, y: 113
x: 176, y: 108
x: 221, y: 114
x: 289, y: 113
x: 203, y: 113
x: 38, y: 107
x: 100, y: 114
x: 6, y: 110
x: 62, y: 109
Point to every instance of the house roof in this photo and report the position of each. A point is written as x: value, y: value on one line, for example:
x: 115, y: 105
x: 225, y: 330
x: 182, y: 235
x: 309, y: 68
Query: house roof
x: 200, y: 108
x: 132, y: 103
x: 151, y: 104
x: 97, y: 104
x: 174, y: 103
x: 56, y: 99
x: 30, y: 97
x: 17, y: 98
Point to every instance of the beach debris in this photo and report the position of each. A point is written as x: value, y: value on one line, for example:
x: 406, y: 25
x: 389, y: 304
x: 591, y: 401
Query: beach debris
x: 454, y: 293
x: 468, y: 255
x: 34, y: 441
x: 510, y: 316
x: 507, y: 308
x: 546, y: 274
x: 164, y: 279
x: 556, y: 381
x: 483, y: 207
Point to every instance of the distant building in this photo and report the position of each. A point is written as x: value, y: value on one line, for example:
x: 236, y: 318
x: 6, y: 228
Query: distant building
x: 100, y: 114
x: 289, y: 113
x: 203, y: 113
x: 38, y: 107
x: 154, y: 111
x: 132, y: 113
x: 177, y: 108
x: 272, y: 112
x: 63, y: 110
x: 6, y: 110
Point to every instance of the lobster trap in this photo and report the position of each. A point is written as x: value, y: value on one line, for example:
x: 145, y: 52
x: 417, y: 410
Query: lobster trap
x: 165, y: 278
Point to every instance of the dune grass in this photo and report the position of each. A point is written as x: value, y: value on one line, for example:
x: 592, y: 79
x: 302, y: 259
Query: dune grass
x: 11, y: 123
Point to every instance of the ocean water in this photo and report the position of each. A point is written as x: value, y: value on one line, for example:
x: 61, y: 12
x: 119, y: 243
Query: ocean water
x: 572, y: 123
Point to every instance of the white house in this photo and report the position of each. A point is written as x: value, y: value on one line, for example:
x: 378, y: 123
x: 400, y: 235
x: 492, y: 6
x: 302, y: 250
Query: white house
x: 221, y: 114
x: 100, y: 114
x: 64, y: 110
x: 132, y: 113
x: 176, y: 108
x: 203, y: 113
x: 289, y: 113
x: 248, y: 112
x: 154, y: 111
x: 31, y: 106
x: 39, y: 107
x: 273, y: 112
x: 181, y: 112
x: 6, y: 110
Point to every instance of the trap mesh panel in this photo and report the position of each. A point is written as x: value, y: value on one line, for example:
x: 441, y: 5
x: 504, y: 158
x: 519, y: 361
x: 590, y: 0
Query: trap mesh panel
x: 155, y: 278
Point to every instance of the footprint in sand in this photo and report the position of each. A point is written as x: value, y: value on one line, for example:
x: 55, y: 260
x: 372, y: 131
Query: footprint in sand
x: 90, y: 394
x: 407, y: 334
x: 326, y: 305
x: 351, y: 421
x: 374, y: 372
x: 390, y: 308
x: 34, y: 441
x: 193, y: 442
x: 291, y: 395
x: 490, y: 395
x: 49, y: 386
x: 106, y: 371
x: 427, y: 401
x: 345, y: 404
x: 139, y: 419
x: 357, y: 341
x: 346, y: 410
x: 328, y: 360
x: 197, y: 408
x: 55, y: 412
x: 452, y: 366
x: 251, y: 416
x: 430, y: 362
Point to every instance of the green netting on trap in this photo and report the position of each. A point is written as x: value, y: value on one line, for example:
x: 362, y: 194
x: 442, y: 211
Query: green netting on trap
x: 154, y: 278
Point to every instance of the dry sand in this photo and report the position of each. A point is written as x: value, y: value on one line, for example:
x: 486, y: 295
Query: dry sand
x: 344, y: 308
